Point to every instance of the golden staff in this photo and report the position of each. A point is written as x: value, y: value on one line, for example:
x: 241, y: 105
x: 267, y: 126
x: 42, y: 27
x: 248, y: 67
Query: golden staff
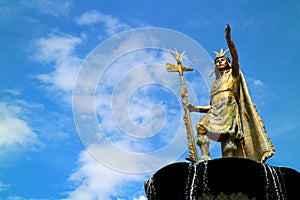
x: 184, y: 99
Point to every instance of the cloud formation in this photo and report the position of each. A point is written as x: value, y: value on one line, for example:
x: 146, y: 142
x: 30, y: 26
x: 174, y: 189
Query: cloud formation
x: 4, y: 187
x: 96, y: 181
x: 15, y: 133
x: 58, y: 51
x: 56, y: 8
x: 119, y: 84
x: 112, y: 24
x: 125, y: 106
x: 52, y: 7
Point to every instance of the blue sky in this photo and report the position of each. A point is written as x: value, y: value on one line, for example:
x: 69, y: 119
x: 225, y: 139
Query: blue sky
x: 49, y: 148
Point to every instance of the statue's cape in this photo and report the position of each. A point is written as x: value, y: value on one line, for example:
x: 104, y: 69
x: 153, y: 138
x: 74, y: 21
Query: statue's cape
x: 256, y: 144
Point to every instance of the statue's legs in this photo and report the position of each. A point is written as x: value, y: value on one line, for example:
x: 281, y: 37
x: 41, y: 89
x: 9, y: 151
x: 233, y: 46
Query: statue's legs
x: 229, y: 146
x: 203, y: 141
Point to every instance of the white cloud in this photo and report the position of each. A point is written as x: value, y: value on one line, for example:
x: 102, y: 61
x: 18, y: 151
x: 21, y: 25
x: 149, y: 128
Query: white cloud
x: 4, y: 187
x: 97, y: 181
x: 18, y: 9
x: 257, y: 90
x: 254, y: 82
x: 123, y: 94
x: 13, y: 92
x: 112, y: 24
x: 122, y: 99
x: 140, y: 198
x: 58, y: 50
x: 51, y: 7
x: 121, y: 70
x: 120, y: 84
x: 258, y: 82
x: 15, y: 197
x: 15, y: 133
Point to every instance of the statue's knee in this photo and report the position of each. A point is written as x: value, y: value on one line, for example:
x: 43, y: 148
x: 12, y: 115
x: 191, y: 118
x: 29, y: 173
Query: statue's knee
x: 200, y: 130
x: 203, y: 140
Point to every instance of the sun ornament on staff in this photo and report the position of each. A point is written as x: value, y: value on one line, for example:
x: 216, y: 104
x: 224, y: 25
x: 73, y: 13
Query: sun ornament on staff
x: 231, y: 118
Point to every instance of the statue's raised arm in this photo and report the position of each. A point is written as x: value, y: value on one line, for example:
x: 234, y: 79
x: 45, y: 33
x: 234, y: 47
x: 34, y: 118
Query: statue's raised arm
x: 233, y: 51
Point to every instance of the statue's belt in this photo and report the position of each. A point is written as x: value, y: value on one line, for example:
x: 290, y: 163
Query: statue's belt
x: 221, y: 95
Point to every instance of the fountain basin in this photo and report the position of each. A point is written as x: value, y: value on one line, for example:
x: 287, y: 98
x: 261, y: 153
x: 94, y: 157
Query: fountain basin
x: 223, y: 178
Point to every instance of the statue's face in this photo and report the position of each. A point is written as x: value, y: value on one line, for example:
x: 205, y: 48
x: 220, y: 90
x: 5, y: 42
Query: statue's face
x: 221, y: 63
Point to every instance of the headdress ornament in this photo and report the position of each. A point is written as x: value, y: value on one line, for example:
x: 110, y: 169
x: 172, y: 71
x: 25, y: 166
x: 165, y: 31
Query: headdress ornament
x: 221, y: 53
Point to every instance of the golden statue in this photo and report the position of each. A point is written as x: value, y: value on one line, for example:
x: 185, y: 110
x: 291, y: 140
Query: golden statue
x: 231, y: 118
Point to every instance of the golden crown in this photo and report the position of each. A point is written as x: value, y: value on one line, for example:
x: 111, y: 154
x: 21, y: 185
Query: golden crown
x: 221, y: 53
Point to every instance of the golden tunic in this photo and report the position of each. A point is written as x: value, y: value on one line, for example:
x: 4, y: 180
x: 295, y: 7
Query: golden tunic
x: 233, y: 112
x: 223, y: 116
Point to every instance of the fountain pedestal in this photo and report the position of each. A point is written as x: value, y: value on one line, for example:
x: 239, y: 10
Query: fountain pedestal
x: 223, y: 178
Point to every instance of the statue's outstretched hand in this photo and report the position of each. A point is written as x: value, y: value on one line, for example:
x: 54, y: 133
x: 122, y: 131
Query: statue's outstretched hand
x: 191, y: 107
x: 227, y: 31
x: 233, y: 52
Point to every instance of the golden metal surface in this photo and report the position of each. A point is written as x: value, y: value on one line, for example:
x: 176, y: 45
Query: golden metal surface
x: 231, y: 118
x: 184, y: 99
